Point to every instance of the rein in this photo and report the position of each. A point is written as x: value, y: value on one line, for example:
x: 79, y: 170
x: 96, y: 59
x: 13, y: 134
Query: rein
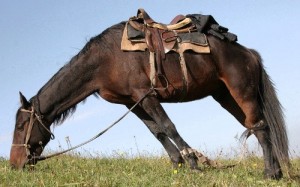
x: 31, y: 122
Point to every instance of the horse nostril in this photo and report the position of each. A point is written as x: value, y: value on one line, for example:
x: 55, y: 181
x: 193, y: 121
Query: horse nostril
x: 29, y: 157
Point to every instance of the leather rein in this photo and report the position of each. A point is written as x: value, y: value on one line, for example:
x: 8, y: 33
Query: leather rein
x: 34, y: 116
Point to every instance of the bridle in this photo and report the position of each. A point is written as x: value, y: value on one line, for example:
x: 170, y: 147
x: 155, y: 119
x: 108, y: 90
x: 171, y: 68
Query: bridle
x: 33, y: 117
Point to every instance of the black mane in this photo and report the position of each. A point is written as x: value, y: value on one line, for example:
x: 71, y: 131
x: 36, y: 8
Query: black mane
x: 96, y: 40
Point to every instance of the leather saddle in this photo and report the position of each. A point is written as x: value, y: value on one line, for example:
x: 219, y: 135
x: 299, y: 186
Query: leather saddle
x: 183, y: 33
x: 160, y: 38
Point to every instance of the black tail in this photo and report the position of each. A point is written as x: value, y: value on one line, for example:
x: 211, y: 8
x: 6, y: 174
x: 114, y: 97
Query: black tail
x: 273, y: 116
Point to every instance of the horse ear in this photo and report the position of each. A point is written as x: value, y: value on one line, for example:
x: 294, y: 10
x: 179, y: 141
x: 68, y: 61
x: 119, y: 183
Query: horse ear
x: 24, y: 102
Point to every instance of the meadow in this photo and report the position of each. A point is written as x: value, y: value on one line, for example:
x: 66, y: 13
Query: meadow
x: 123, y: 170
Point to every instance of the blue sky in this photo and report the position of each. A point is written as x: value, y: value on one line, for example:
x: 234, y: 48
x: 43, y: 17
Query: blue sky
x: 39, y: 37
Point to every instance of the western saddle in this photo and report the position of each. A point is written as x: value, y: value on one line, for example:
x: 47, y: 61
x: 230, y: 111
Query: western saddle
x: 160, y: 38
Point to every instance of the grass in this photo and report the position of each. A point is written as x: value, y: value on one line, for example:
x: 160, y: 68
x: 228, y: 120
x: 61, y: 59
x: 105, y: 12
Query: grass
x: 75, y: 170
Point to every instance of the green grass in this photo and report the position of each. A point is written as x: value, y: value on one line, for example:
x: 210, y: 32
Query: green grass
x: 73, y: 170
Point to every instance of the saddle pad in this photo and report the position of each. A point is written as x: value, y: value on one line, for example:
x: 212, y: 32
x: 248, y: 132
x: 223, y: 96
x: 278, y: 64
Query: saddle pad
x: 128, y: 45
x: 182, y: 47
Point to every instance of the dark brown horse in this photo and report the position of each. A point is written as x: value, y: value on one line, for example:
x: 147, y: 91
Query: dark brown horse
x: 232, y: 74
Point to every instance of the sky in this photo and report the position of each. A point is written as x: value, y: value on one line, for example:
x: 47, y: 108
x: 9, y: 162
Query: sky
x: 38, y: 37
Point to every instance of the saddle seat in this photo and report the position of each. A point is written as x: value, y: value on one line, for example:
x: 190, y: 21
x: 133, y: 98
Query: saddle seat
x: 179, y: 22
x: 173, y: 26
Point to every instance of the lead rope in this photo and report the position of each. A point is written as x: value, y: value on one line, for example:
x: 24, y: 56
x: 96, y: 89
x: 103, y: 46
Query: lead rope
x: 38, y: 158
x: 202, y: 159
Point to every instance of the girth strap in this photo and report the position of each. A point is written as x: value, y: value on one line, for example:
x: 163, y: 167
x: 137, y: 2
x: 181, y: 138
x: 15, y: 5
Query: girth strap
x: 152, y: 74
x: 184, y: 75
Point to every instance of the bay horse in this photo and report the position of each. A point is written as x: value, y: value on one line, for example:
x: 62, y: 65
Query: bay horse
x: 231, y: 73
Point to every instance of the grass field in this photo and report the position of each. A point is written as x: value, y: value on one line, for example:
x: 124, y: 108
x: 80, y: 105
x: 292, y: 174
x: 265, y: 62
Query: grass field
x: 75, y: 170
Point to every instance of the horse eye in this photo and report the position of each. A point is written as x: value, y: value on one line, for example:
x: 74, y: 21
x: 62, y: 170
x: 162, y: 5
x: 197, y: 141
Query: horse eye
x: 20, y: 126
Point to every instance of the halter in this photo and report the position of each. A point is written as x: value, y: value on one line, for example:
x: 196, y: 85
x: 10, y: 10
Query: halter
x: 33, y: 116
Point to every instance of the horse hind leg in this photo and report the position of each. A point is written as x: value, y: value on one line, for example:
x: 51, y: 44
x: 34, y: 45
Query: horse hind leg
x: 272, y: 166
x: 243, y: 104
x: 224, y: 98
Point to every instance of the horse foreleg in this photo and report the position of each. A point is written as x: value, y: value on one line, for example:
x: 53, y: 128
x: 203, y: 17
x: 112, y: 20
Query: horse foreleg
x: 154, y: 109
x: 160, y: 135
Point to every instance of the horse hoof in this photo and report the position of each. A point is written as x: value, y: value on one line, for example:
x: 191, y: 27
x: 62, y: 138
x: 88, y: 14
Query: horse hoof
x: 196, y: 169
x: 276, y: 175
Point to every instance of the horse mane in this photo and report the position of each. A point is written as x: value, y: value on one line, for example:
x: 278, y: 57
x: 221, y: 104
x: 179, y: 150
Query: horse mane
x: 96, y: 40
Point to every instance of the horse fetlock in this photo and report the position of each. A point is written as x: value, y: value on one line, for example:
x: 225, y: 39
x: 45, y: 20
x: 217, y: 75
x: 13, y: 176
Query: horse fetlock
x: 189, y: 155
x: 177, y: 161
x: 273, y: 174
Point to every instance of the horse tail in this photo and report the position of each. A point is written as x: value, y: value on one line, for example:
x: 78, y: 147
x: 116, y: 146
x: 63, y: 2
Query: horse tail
x: 273, y: 116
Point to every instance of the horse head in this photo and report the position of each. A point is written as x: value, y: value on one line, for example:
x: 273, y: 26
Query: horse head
x: 31, y: 134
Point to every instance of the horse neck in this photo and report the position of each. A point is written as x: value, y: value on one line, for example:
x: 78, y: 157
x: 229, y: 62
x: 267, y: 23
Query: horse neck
x: 70, y: 85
